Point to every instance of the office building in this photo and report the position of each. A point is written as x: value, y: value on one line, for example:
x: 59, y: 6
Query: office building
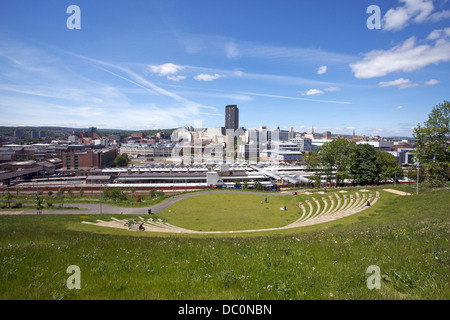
x: 231, y: 117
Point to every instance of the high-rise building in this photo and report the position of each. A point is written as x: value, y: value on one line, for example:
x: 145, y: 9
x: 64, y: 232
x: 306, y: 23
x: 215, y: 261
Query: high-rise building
x: 231, y: 117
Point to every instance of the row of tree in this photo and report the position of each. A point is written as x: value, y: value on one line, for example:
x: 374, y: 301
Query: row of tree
x: 341, y: 160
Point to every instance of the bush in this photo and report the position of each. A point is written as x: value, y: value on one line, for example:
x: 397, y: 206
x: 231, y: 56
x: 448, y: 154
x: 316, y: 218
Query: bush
x: 114, y: 194
x: 16, y: 205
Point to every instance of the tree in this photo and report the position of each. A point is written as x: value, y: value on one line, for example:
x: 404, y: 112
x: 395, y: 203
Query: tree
x: 432, y: 146
x: 335, y: 157
x: 121, y: 160
x: 38, y: 204
x: 8, y: 197
x: 60, y: 195
x: 364, y: 165
x: 389, y: 169
x: 258, y: 185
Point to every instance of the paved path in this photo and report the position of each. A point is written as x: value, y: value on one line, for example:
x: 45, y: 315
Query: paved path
x: 398, y: 192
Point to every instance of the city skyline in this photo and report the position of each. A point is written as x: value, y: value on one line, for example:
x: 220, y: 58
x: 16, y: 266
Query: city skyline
x: 166, y: 64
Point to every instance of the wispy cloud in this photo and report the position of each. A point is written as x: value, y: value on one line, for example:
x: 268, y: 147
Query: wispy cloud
x: 49, y: 81
x: 238, y: 49
x: 295, y: 98
x: 400, y: 83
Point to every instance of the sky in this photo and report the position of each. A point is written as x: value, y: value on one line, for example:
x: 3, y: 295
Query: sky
x: 376, y: 67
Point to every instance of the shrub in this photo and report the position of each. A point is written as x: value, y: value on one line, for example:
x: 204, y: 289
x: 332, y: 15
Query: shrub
x: 137, y: 198
x: 16, y: 205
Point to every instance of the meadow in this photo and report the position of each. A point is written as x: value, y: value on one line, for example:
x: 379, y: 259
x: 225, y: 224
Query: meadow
x: 406, y: 237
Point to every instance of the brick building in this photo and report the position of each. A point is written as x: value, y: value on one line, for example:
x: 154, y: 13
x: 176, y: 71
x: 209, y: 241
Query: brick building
x: 88, y: 159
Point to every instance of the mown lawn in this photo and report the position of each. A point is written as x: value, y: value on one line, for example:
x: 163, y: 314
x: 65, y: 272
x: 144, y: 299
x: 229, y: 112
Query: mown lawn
x: 232, y: 211
x: 406, y: 237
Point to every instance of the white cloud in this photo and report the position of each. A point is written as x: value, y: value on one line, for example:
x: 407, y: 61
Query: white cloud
x: 231, y: 50
x: 313, y: 92
x: 400, y: 83
x: 407, y: 56
x: 207, y: 77
x: 322, y: 70
x: 332, y: 89
x: 398, y: 108
x: 406, y: 83
x: 432, y: 82
x: 412, y: 11
x: 176, y: 78
x: 166, y: 69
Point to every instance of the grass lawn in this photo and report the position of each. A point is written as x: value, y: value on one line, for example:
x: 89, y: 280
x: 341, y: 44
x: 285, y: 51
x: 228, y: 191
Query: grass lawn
x: 222, y: 211
x: 406, y: 237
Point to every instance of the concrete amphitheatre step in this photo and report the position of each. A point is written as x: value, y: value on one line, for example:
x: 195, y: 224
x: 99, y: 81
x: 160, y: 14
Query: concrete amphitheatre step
x: 333, y: 208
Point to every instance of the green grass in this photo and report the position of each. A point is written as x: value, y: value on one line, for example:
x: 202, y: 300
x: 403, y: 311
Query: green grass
x: 223, y: 211
x: 407, y: 237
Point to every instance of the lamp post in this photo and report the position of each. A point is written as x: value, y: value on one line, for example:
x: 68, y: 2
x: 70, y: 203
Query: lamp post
x: 417, y: 169
x: 101, y: 193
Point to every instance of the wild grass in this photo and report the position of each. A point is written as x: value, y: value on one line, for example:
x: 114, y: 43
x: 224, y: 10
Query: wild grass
x: 407, y: 237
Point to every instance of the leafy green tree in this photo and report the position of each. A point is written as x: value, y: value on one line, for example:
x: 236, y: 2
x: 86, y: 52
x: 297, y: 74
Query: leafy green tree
x: 411, y: 173
x: 335, y: 157
x: 432, y: 146
x: 121, y: 160
x: 389, y: 169
x: 38, y: 204
x: 364, y: 165
x: 8, y: 197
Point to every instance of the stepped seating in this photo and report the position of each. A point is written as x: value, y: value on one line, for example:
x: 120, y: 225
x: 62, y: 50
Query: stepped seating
x: 313, y: 211
x: 333, y: 208
x: 149, y: 225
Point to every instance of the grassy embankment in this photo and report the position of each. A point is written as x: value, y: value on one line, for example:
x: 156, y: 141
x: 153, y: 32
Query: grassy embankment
x: 406, y: 237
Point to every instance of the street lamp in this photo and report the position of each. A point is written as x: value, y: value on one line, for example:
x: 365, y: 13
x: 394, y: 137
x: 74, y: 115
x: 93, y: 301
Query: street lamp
x: 417, y: 169
x: 101, y: 193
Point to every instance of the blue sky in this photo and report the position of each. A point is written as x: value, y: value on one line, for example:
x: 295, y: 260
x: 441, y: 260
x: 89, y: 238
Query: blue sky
x: 164, y: 64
